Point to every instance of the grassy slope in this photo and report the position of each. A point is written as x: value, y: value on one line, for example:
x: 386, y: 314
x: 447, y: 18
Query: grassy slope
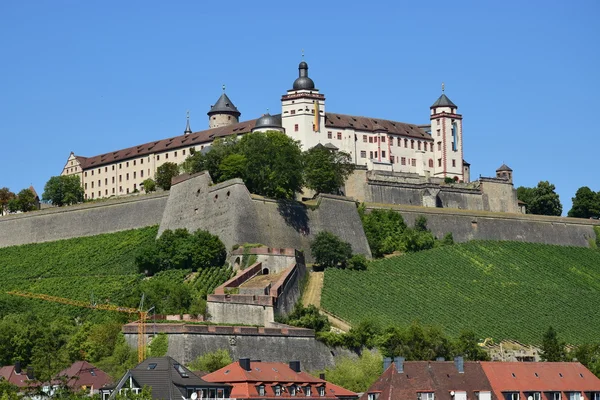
x: 499, y: 289
x: 102, y: 266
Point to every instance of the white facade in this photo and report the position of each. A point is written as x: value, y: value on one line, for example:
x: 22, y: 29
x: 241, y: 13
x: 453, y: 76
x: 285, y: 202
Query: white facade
x: 371, y: 142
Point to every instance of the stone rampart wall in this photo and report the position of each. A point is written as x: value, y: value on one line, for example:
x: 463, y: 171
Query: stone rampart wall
x: 469, y: 225
x: 82, y: 220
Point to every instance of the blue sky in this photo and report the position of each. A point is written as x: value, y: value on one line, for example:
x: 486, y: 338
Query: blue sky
x: 97, y: 76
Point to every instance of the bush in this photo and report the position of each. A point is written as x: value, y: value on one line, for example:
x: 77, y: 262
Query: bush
x: 307, y: 317
x: 159, y: 345
x: 329, y: 250
x: 383, y: 229
x: 149, y: 185
x: 165, y: 173
x: 357, y: 262
x: 210, y: 362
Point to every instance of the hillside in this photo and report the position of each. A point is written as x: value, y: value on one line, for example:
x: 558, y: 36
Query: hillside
x: 101, y: 267
x: 498, y: 289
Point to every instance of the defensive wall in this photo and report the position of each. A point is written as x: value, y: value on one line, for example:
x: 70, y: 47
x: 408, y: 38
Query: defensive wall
x: 469, y: 225
x: 86, y: 219
x: 263, y: 300
x: 186, y: 342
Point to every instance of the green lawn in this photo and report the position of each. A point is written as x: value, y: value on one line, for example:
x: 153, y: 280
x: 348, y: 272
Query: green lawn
x: 504, y: 290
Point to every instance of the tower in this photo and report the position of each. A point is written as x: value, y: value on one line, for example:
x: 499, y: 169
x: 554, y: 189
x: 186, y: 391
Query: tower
x: 446, y: 131
x: 303, y: 110
x: 188, y: 129
x: 223, y: 113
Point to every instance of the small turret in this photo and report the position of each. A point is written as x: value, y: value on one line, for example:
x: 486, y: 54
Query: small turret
x: 188, y: 129
x: 505, y: 172
x: 223, y: 113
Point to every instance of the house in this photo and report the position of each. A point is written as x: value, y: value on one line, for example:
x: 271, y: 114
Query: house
x: 15, y: 375
x: 542, y: 381
x: 431, y: 380
x: 80, y: 376
x: 272, y: 380
x: 168, y: 380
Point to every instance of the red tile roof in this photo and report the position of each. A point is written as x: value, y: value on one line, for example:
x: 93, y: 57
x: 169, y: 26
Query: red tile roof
x: 245, y: 383
x: 540, y: 377
x: 372, y: 124
x: 440, y: 377
x: 8, y: 372
x: 82, y: 373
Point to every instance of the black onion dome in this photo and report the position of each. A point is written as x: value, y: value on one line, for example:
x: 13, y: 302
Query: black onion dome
x: 268, y: 121
x: 303, y: 81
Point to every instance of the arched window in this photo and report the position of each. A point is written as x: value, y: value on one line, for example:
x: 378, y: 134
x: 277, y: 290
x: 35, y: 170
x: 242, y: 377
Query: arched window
x: 430, y: 163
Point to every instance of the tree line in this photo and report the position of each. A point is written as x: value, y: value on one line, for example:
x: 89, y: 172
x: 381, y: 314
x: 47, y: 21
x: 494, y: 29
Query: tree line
x: 543, y: 200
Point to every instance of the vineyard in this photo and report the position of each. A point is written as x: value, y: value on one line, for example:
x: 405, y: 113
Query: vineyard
x: 100, y: 267
x: 509, y: 290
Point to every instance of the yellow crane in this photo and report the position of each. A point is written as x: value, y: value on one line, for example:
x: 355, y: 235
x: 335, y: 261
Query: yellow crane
x: 108, y: 307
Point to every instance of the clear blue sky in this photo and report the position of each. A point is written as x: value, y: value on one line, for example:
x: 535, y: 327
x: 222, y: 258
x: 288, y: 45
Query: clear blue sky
x: 96, y: 76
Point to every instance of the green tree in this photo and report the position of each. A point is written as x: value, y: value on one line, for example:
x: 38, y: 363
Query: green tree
x: 552, y: 349
x: 356, y: 374
x: 326, y: 171
x: 8, y: 391
x: 541, y: 200
x: 589, y: 355
x: 586, y: 203
x: 357, y: 262
x: 416, y: 240
x: 233, y: 166
x: 384, y: 229
x: 274, y: 164
x: 467, y: 346
x: 165, y: 173
x: 159, y: 345
x: 63, y: 190
x: 5, y: 196
x: 25, y: 201
x: 149, y: 185
x: 211, y: 160
x: 212, y: 361
x: 330, y: 251
x: 307, y: 317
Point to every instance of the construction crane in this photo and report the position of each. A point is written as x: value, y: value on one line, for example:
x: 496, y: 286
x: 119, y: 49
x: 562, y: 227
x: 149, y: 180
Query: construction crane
x: 108, y: 307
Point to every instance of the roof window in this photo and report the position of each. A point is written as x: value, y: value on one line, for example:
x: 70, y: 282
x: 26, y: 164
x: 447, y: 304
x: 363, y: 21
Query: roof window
x: 152, y: 366
x: 181, y: 371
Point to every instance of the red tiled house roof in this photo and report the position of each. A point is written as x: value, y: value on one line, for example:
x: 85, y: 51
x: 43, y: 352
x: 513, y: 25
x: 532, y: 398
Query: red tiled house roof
x: 82, y: 373
x: 9, y: 373
x: 437, y: 377
x: 247, y: 381
x: 373, y: 124
x: 544, y: 377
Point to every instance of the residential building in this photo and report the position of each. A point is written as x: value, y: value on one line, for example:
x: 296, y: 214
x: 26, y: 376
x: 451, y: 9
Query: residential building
x: 17, y: 376
x: 80, y: 376
x: 168, y: 380
x: 431, y: 380
x: 542, y: 381
x: 273, y: 380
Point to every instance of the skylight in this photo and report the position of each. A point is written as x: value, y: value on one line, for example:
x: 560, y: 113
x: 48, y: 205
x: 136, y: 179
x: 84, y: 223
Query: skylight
x: 181, y: 371
x: 152, y: 366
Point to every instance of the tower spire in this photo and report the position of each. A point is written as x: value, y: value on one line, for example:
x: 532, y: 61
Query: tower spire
x: 188, y: 130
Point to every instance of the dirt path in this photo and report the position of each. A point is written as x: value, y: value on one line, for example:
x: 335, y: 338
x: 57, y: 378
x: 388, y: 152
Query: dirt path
x: 312, y: 295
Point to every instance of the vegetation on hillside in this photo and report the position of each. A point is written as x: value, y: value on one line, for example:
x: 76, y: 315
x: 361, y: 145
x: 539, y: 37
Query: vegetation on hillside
x: 497, y: 289
x: 541, y: 200
x: 586, y: 204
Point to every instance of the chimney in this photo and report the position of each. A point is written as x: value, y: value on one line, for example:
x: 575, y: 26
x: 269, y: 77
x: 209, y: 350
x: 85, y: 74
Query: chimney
x: 18, y: 367
x: 245, y: 364
x: 295, y: 366
x: 399, y: 363
x: 459, y: 362
x: 322, y: 376
x: 440, y: 359
x: 30, y: 375
x: 386, y: 363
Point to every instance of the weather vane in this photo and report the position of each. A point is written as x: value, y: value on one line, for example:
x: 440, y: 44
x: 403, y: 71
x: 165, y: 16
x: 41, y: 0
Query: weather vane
x: 187, y: 114
x: 223, y: 87
x: 443, y: 87
x: 302, y: 54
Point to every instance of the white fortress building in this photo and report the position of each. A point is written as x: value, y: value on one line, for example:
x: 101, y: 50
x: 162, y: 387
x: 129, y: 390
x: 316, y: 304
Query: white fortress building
x: 414, y: 154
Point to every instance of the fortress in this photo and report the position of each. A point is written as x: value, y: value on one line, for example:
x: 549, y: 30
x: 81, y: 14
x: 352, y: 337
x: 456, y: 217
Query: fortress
x: 424, y: 163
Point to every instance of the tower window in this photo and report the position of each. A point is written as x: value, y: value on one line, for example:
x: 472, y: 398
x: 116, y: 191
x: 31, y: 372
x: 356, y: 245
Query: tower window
x: 454, y: 163
x: 392, y: 159
x: 439, y: 146
x: 431, y: 147
x: 439, y: 162
x: 382, y: 154
x: 296, y: 128
x: 438, y: 122
x: 228, y: 117
x: 293, y: 112
x: 383, y: 139
x: 439, y: 131
x: 430, y: 163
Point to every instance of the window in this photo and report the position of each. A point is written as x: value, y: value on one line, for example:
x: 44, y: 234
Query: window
x: 307, y: 391
x: 438, y: 122
x: 375, y: 154
x: 120, y: 189
x: 182, y: 152
x: 99, y: 170
x: 120, y: 176
x: 439, y: 162
x: 339, y: 135
x: 151, y: 365
x: 167, y: 156
x: 113, y: 190
x: 113, y: 167
x: 431, y: 147
x: 403, y: 160
x: 419, y: 145
x: 371, y: 155
x: 105, y: 169
x: 321, y: 391
x: 85, y: 186
x: 127, y: 176
x: 405, y: 142
x: 595, y: 396
x: 133, y: 162
x: 574, y: 395
x: 439, y: 146
x: 454, y: 165
x: 293, y: 112
x: 438, y: 131
x: 175, y: 154
x: 365, y: 139
x: 412, y: 144
x: 293, y: 390
x: 329, y: 135
x: 142, y: 160
x: 382, y: 154
x: 363, y: 154
x: 296, y: 128
x: 127, y: 190
x: 414, y: 162
x: 158, y: 156
x: 277, y: 390
x: 141, y: 173
x: 430, y: 163
x: 120, y: 165
x: 373, y: 396
x: 512, y: 396
x: 425, y: 396
x: 383, y: 139
x: 483, y: 395
x: 92, y: 184
x: 127, y: 164
x: 399, y: 144
x: 133, y: 174
x: 134, y: 187
x: 392, y: 159
x: 92, y: 172
x: 535, y: 395
x: 99, y: 193
x: 459, y: 395
x: 105, y: 181
x: 261, y: 388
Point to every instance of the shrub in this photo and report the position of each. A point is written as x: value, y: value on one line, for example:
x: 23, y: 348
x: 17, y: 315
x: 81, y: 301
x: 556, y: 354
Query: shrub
x: 149, y: 185
x: 212, y: 361
x: 329, y: 250
x: 357, y: 262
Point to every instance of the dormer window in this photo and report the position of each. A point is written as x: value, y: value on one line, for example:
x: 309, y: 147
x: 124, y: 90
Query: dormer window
x: 292, y: 390
x: 574, y: 395
x: 152, y: 366
x: 425, y: 396
x: 277, y: 390
x: 181, y: 371
x: 307, y: 391
x: 322, y: 391
x: 373, y: 396
x: 261, y: 390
